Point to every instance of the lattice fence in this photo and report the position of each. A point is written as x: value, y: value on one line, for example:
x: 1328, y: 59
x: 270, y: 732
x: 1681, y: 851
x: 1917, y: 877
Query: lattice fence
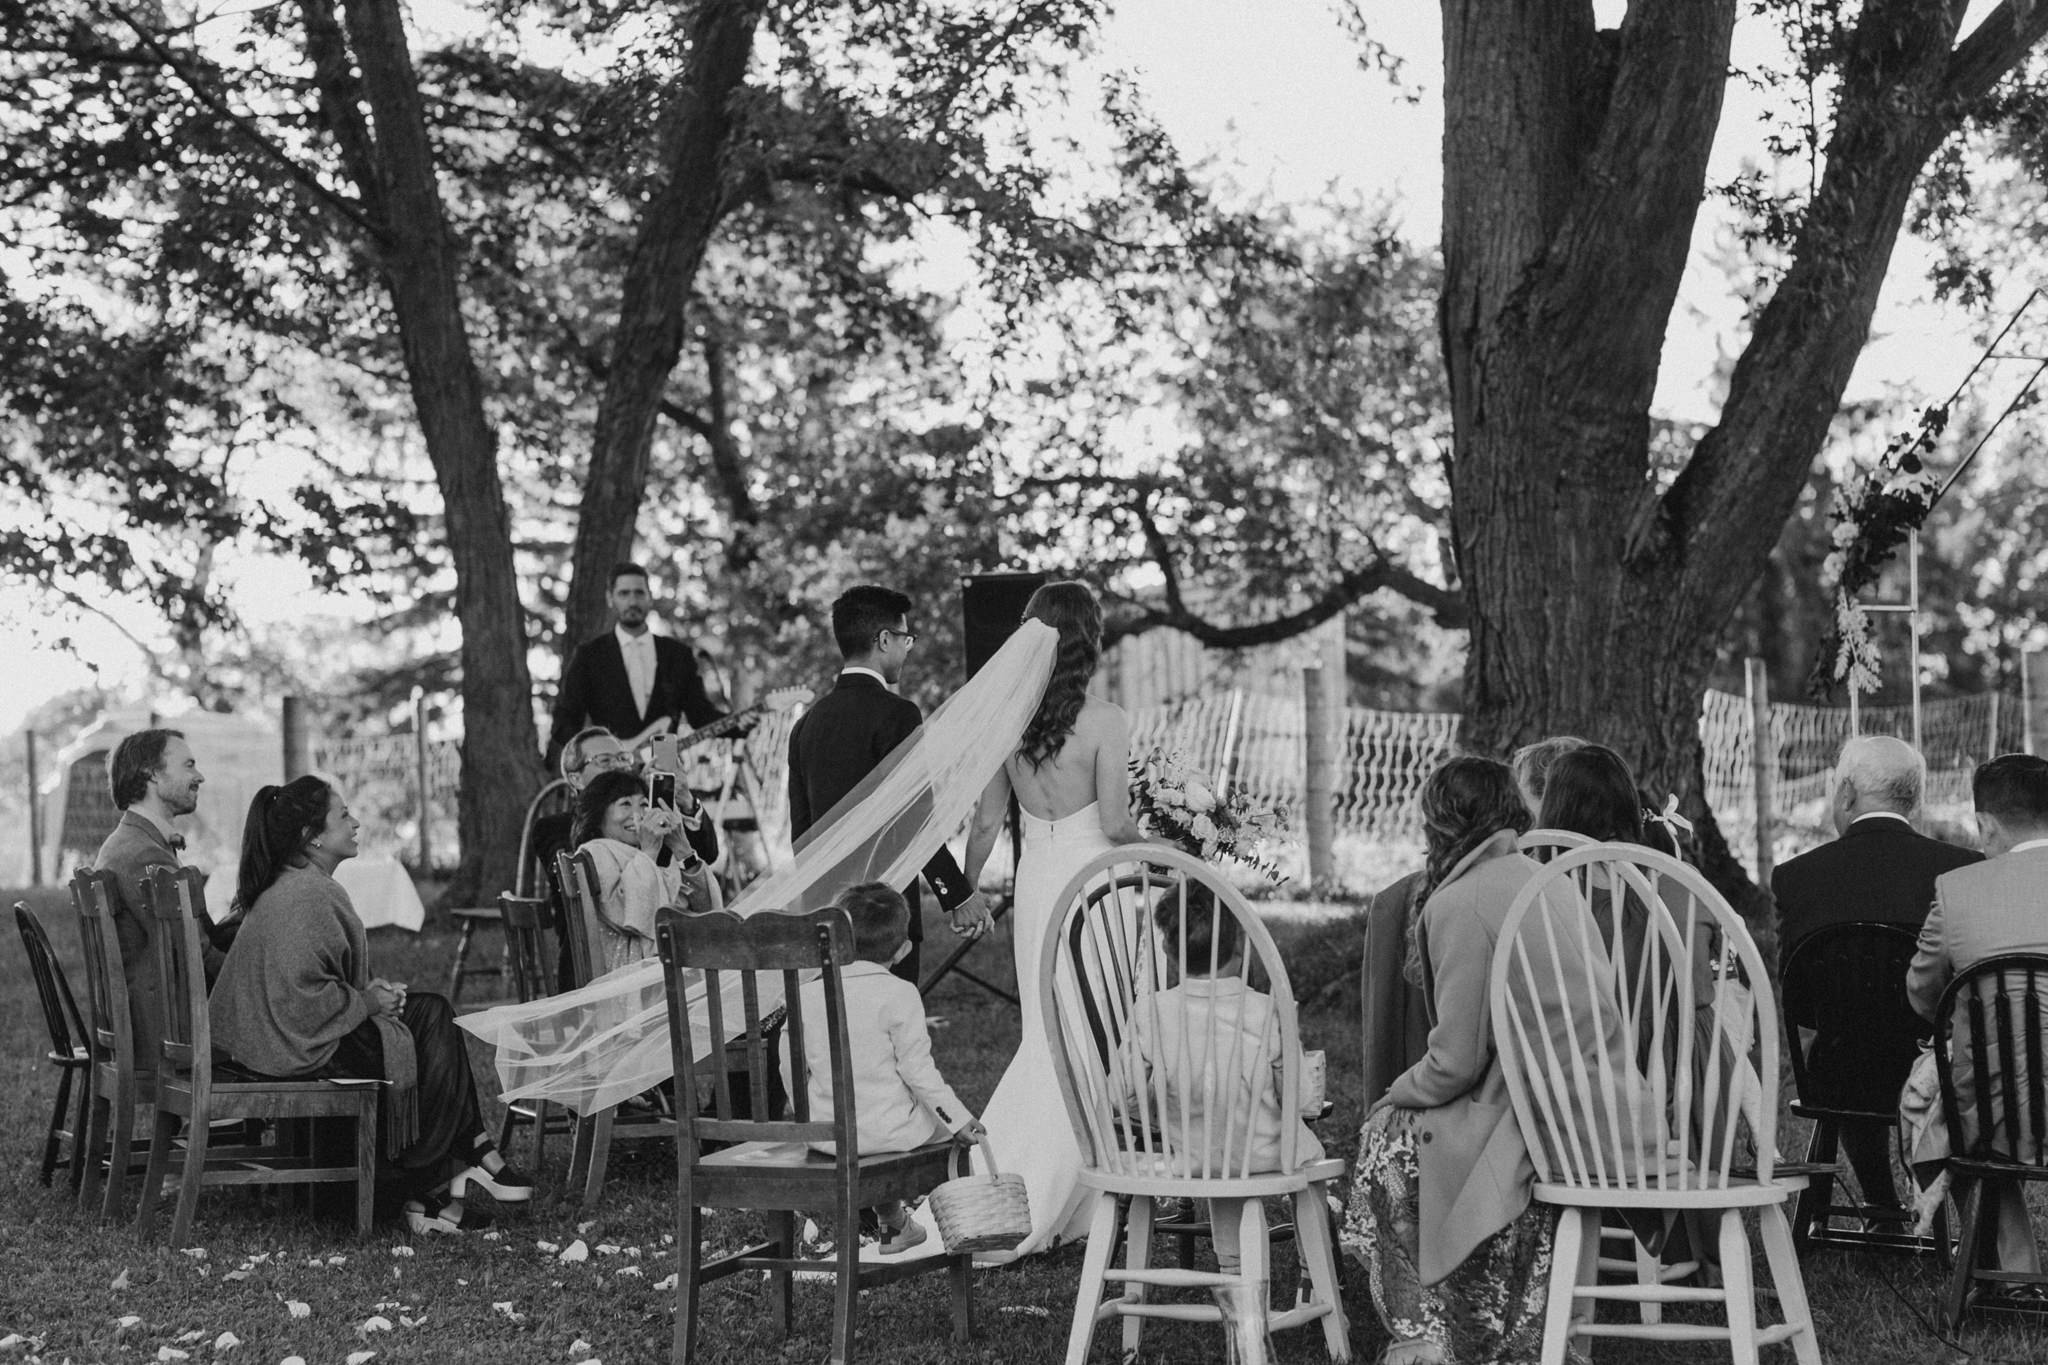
x: 1261, y: 741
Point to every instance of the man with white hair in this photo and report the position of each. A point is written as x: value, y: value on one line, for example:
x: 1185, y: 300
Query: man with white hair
x: 1877, y: 868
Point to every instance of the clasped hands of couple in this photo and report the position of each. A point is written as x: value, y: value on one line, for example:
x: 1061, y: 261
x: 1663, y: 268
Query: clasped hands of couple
x: 972, y: 917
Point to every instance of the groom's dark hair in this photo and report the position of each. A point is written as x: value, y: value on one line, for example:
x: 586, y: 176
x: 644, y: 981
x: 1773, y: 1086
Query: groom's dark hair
x: 881, y: 920
x: 862, y: 613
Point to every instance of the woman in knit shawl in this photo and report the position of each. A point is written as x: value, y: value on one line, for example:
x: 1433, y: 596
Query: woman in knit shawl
x: 295, y: 999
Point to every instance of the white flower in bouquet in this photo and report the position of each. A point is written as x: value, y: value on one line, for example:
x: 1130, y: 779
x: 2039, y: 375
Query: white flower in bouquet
x: 1199, y: 797
x: 1204, y: 829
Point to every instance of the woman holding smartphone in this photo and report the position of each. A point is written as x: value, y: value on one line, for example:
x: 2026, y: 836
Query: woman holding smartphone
x: 625, y: 835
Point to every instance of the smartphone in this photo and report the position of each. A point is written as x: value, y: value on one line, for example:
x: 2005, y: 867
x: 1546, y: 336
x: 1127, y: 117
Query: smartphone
x: 661, y: 788
x: 663, y: 754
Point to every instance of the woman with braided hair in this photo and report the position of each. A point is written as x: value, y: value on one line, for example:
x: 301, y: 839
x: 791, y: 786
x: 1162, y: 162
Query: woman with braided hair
x: 295, y: 1000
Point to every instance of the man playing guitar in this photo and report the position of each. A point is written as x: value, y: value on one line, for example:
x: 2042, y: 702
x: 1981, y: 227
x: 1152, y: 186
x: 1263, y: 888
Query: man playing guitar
x: 629, y: 680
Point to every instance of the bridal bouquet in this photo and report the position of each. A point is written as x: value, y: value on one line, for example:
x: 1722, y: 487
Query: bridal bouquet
x: 1178, y: 805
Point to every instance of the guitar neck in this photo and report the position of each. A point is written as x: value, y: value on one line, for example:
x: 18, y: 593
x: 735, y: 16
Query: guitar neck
x: 718, y: 729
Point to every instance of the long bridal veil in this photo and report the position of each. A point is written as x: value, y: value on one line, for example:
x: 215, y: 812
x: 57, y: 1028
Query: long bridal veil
x: 607, y: 1041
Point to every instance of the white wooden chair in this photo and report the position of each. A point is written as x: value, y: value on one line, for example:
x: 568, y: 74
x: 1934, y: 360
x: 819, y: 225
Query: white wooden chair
x: 1631, y: 1258
x: 1617, y: 1122
x: 1154, y: 1122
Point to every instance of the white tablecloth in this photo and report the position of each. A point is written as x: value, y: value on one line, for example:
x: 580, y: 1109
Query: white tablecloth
x: 382, y: 891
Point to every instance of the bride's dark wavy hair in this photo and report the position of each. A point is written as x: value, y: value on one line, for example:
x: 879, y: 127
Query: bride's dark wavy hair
x: 1465, y: 802
x: 1071, y: 609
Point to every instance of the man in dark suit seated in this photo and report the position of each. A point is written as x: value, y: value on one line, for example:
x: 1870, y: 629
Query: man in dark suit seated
x: 1878, y: 868
x: 155, y: 779
x: 629, y: 679
x: 852, y: 728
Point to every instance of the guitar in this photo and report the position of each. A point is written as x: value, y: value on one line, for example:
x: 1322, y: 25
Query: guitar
x: 781, y: 699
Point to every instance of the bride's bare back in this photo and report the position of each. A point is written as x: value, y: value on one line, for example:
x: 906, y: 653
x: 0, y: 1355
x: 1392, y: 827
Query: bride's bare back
x: 1070, y: 780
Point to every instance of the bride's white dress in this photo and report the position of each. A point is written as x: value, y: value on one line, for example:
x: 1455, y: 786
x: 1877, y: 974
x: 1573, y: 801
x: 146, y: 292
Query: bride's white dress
x: 1026, y: 1118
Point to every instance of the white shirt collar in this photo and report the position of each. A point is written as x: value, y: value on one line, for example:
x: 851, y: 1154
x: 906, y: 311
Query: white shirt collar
x: 865, y: 671
x: 644, y: 640
x: 2031, y: 843
x: 163, y: 827
x: 1880, y: 815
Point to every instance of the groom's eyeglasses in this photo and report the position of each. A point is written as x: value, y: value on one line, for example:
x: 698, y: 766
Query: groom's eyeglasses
x: 908, y: 637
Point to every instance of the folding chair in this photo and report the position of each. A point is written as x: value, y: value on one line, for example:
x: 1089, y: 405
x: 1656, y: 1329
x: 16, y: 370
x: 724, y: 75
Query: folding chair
x: 1614, y: 1125
x: 769, y: 1166
x: 68, y: 1051
x: 1130, y: 1064
x: 1991, y: 1053
x: 187, y: 1089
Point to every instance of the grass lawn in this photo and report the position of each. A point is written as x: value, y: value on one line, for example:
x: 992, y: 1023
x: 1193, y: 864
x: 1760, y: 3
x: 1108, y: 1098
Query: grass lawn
x: 83, y: 1293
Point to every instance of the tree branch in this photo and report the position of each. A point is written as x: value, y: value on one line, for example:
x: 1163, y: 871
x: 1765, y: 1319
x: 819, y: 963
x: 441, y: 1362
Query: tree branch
x: 299, y: 175
x: 1993, y: 49
x: 1355, y: 584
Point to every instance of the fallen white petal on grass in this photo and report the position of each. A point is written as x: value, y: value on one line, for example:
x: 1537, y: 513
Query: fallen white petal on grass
x: 13, y: 1341
x: 505, y: 1306
x: 187, y: 1338
x: 298, y: 1308
x: 608, y: 1249
x: 583, y: 1229
x: 404, y: 1321
x: 292, y: 1360
x: 361, y: 1357
x: 226, y: 1341
x: 376, y: 1324
x: 402, y: 1251
x: 337, y: 1260
x: 234, y: 1275
x: 259, y: 1258
x: 166, y: 1354
x: 128, y: 1322
x: 1025, y: 1310
x: 629, y: 1270
x: 549, y: 1247
x: 579, y: 1348
x: 196, y: 1253
x: 120, y: 1281
x: 494, y: 1237
x: 663, y: 1286
x: 576, y: 1251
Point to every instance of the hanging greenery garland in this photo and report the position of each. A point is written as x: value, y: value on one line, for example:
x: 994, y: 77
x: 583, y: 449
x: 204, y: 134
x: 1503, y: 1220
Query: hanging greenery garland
x: 1873, y: 515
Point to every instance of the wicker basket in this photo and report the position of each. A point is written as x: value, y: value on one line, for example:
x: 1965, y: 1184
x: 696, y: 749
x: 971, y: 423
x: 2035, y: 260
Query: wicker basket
x: 977, y: 1213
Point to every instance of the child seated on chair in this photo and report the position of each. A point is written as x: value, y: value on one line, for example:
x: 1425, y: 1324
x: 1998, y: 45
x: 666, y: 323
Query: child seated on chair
x: 901, y: 1102
x: 1185, y: 1039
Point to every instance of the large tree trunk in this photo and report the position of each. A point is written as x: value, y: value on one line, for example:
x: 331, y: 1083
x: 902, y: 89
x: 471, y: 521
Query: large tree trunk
x: 675, y: 228
x: 500, y: 769
x: 1574, y: 167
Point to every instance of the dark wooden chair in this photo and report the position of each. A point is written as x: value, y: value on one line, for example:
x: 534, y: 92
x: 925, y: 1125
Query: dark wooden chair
x: 647, y: 1118
x: 189, y: 1093
x: 1991, y: 1053
x: 68, y: 1051
x: 470, y: 919
x: 526, y: 919
x: 769, y: 1166
x: 1846, y: 984
x: 556, y: 798
x: 114, y: 1091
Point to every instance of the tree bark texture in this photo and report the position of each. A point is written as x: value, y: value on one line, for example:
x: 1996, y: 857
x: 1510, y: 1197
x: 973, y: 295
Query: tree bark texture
x: 1574, y: 167
x: 394, y: 164
x: 675, y: 228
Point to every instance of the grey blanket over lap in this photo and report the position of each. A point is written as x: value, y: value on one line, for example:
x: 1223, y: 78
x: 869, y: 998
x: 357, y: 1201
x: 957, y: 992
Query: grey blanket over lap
x: 297, y: 982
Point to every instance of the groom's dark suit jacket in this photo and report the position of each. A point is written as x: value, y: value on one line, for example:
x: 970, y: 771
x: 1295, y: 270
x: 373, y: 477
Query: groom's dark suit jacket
x: 596, y: 691
x: 837, y: 743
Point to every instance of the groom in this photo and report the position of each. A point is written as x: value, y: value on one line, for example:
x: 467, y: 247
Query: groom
x: 852, y: 728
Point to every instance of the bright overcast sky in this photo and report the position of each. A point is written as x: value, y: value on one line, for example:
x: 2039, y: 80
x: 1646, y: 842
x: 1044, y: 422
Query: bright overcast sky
x: 1275, y: 92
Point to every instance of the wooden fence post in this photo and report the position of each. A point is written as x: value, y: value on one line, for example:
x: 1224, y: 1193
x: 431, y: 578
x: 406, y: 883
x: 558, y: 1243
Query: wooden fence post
x: 1319, y: 778
x: 35, y: 814
x: 1763, y: 753
x: 419, y: 749
x: 298, y: 748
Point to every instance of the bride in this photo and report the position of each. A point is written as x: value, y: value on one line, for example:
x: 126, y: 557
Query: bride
x: 1070, y: 776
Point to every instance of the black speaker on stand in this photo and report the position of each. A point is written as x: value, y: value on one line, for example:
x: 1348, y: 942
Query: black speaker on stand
x: 991, y: 609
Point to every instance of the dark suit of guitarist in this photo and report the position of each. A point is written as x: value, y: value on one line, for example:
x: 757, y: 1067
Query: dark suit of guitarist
x: 854, y: 726
x: 597, y: 691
